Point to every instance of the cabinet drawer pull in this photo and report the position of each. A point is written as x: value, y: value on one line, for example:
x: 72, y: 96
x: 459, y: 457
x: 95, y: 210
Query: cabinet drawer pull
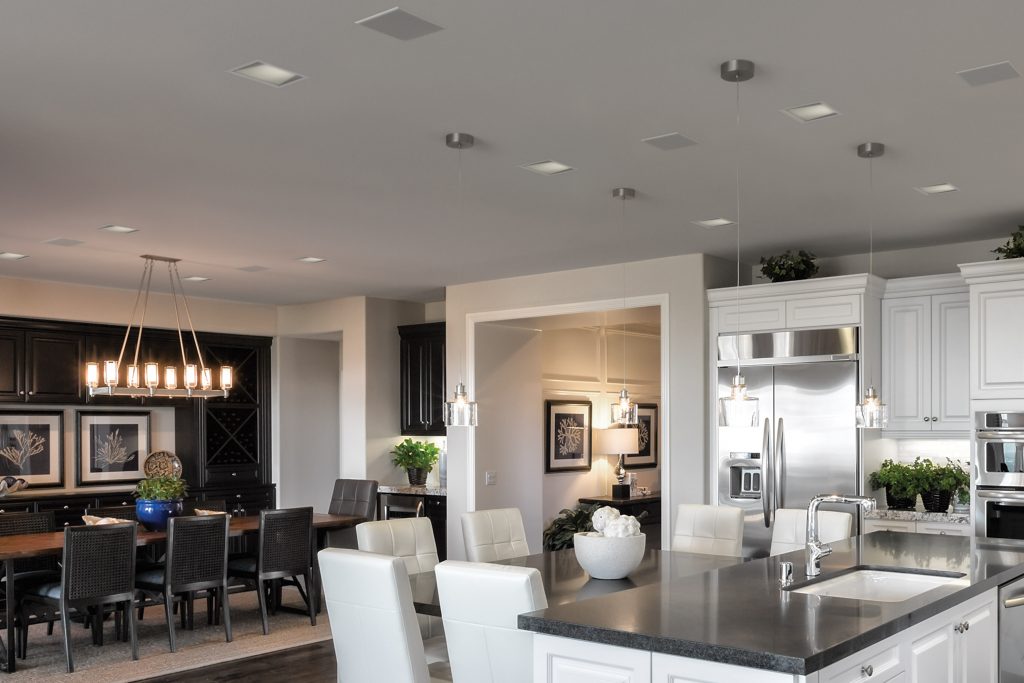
x: 927, y: 419
x: 238, y: 495
x: 21, y: 393
x: 67, y: 523
x: 934, y: 419
x: 124, y: 502
x: 66, y: 507
x: 868, y: 671
x: 31, y: 393
x: 967, y: 626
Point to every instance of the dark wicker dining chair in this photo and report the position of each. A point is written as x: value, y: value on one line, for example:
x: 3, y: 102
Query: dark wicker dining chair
x: 31, y: 569
x: 285, y: 553
x: 98, y: 570
x: 197, y: 560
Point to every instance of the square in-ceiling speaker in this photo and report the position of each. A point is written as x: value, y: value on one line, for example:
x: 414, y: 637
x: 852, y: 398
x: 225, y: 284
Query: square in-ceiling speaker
x: 993, y: 73
x: 669, y: 141
x: 398, y: 23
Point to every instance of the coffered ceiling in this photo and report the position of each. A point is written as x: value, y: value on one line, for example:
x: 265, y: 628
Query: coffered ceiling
x: 124, y: 112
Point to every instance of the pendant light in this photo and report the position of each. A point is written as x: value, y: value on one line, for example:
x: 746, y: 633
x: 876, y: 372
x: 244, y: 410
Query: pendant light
x: 871, y: 413
x: 624, y: 411
x: 738, y: 409
x: 460, y: 411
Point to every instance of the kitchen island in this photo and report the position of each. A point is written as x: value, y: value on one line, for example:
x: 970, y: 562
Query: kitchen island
x: 737, y: 624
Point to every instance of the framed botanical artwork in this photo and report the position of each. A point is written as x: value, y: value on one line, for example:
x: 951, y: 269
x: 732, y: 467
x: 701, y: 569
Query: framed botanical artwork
x: 647, y: 415
x: 567, y: 448
x: 111, y: 447
x: 32, y: 447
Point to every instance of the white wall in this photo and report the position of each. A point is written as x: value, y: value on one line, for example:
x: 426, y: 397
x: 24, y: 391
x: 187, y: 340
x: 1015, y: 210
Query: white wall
x: 309, y: 416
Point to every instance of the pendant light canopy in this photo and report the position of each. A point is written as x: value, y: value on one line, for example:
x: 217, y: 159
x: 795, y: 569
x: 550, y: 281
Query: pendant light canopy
x: 738, y: 409
x: 871, y: 413
x: 460, y: 411
x: 624, y: 411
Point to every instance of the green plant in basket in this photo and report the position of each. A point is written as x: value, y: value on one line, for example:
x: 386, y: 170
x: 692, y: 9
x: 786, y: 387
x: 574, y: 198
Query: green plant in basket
x: 161, y: 488
x: 898, y: 479
x: 789, y: 266
x: 1013, y: 248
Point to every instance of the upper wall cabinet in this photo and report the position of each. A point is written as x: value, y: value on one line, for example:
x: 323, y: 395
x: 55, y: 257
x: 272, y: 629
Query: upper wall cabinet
x: 40, y: 367
x: 925, y: 355
x: 997, y: 327
x: 12, y: 366
x: 422, y: 379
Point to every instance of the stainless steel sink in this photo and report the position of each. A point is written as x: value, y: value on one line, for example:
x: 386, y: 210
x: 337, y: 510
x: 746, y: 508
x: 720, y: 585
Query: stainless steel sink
x: 880, y: 585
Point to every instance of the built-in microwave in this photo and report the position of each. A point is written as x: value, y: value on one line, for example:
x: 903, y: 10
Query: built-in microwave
x: 999, y: 514
x: 999, y: 449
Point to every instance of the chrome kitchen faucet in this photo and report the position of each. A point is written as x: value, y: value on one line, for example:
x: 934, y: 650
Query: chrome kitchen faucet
x: 815, y: 548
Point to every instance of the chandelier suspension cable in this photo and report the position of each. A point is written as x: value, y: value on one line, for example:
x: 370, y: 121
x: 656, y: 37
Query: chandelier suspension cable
x: 148, y: 275
x: 177, y: 317
x: 131, y: 318
x: 188, y: 317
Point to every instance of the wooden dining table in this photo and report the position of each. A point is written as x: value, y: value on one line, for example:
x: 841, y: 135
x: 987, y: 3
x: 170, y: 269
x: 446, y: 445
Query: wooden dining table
x: 22, y: 546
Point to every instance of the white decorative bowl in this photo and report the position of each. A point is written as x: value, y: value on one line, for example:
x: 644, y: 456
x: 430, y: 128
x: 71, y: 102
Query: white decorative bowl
x: 608, y: 557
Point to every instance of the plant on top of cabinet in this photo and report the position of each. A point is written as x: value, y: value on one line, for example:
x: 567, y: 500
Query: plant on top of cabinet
x: 900, y: 484
x: 789, y: 266
x: 938, y: 483
x: 1014, y: 247
x: 417, y: 458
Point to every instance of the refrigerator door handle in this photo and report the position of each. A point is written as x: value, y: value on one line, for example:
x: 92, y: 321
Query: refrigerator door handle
x: 766, y: 474
x: 779, y: 469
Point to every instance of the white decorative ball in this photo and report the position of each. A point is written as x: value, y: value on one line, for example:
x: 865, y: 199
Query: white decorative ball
x: 621, y: 527
x: 602, y: 516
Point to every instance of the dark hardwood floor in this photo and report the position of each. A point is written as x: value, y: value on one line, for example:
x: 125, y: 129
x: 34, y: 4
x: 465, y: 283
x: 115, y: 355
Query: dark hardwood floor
x: 306, y: 664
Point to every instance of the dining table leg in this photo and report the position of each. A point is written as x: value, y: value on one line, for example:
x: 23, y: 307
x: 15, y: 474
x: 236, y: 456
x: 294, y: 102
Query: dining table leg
x: 8, y: 651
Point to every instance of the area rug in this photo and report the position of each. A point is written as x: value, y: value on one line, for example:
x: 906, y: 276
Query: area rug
x: 112, y: 662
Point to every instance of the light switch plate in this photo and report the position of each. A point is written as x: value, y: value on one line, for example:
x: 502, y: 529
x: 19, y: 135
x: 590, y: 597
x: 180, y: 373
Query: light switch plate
x: 490, y: 478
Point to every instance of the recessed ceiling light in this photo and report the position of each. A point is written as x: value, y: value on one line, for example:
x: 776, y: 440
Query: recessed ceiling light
x: 253, y: 269
x: 63, y: 242
x: 268, y: 74
x: 398, y: 23
x: 993, y: 73
x: 311, y: 259
x: 11, y: 256
x: 195, y: 278
x: 810, y: 112
x: 941, y: 188
x: 120, y: 229
x: 669, y: 141
x: 714, y: 223
x: 547, y: 167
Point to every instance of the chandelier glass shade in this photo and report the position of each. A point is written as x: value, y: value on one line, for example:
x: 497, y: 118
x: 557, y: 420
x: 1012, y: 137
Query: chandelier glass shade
x: 738, y: 409
x: 460, y: 411
x: 103, y: 378
x: 871, y: 413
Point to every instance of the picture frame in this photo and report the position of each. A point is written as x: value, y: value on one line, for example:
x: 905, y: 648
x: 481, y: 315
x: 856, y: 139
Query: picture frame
x: 649, y: 438
x: 112, y: 447
x: 32, y: 447
x: 567, y: 446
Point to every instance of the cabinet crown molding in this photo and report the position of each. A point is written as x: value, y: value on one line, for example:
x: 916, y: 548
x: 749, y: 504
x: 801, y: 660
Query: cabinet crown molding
x: 993, y: 271
x: 841, y: 284
x: 947, y: 283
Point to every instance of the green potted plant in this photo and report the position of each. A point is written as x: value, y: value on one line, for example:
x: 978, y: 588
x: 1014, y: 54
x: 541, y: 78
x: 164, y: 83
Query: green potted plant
x: 1013, y: 248
x: 158, y: 499
x: 568, y: 523
x: 938, y: 483
x: 417, y: 458
x: 962, y: 500
x: 789, y: 266
x: 900, y: 484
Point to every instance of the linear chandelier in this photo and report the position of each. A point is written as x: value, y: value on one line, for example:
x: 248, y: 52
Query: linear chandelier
x: 144, y: 380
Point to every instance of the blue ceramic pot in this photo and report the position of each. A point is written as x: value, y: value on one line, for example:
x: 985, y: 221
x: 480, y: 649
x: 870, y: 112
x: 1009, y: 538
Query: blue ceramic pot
x: 153, y: 514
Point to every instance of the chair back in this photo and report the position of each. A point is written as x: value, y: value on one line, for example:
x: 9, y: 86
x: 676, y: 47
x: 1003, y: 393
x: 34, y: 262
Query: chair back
x: 411, y: 539
x: 369, y: 602
x: 197, y: 553
x: 14, y: 523
x: 492, y: 535
x: 480, y: 604
x: 356, y: 497
x: 790, y: 529
x: 114, y: 512
x: 99, y: 563
x: 709, y: 530
x: 190, y: 506
x: 286, y: 542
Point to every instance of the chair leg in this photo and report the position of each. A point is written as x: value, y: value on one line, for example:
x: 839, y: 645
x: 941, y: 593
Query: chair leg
x: 142, y: 608
x: 261, y: 596
x: 192, y: 611
x: 222, y: 599
x: 133, y: 634
x: 309, y: 599
x: 49, y: 628
x: 211, y: 605
x: 65, y: 624
x: 169, y: 608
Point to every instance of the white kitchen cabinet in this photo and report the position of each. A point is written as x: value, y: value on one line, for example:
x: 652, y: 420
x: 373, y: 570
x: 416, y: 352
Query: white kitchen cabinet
x: 997, y: 326
x: 823, y: 311
x: 960, y: 645
x: 564, y: 660
x: 752, y: 316
x: 889, y: 525
x: 932, y: 655
x: 672, y: 669
x: 926, y: 356
x: 944, y: 529
x: 921, y: 527
x: 979, y: 652
x: 881, y: 662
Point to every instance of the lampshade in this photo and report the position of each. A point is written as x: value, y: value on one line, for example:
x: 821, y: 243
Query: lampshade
x: 617, y: 441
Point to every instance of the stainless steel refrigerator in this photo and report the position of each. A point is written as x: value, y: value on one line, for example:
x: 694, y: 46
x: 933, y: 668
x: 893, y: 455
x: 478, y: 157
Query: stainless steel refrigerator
x: 806, y: 440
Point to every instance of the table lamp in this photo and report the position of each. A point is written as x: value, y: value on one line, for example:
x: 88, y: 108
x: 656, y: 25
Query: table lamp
x: 622, y: 441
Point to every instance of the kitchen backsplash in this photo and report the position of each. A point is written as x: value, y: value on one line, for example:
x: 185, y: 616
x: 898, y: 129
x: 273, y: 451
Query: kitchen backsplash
x: 936, y: 450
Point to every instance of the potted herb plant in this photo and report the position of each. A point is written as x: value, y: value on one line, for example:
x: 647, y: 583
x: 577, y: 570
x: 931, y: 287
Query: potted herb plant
x: 158, y: 499
x: 1013, y: 248
x: 962, y: 500
x: 417, y: 458
x: 789, y: 266
x: 559, y: 534
x: 900, y: 484
x: 938, y: 483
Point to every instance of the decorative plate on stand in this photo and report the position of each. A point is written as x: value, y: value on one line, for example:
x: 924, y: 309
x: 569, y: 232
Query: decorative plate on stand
x: 162, y: 464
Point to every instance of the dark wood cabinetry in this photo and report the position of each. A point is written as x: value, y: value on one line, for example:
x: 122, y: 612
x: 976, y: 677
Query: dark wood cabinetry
x: 41, y: 366
x: 422, y: 379
x: 12, y: 366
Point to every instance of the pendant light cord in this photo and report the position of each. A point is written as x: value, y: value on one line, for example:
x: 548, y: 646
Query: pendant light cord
x: 461, y: 222
x: 624, y: 296
x: 739, y: 360
x: 871, y: 236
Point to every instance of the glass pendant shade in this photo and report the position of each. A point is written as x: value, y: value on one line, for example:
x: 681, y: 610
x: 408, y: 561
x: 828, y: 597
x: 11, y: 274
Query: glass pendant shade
x: 152, y: 375
x: 171, y: 378
x: 624, y: 411
x: 207, y: 379
x: 191, y: 376
x: 92, y: 375
x: 460, y: 412
x: 871, y: 413
x: 110, y: 373
x: 133, y: 376
x: 738, y: 409
x: 227, y: 377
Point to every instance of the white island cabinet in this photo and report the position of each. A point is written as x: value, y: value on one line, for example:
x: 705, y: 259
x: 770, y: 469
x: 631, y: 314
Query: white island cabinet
x: 959, y: 645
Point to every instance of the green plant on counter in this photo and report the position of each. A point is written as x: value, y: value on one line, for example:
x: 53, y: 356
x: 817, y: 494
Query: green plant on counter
x: 898, y: 479
x: 560, y: 532
x: 963, y: 496
x: 947, y: 478
x: 415, y: 455
x: 161, y: 488
x: 788, y: 266
x: 1014, y: 247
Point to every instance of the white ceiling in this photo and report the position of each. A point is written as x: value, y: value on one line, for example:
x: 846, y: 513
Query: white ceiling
x: 123, y: 112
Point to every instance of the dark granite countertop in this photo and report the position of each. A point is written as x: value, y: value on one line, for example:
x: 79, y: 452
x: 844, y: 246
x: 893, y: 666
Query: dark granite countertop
x: 738, y: 614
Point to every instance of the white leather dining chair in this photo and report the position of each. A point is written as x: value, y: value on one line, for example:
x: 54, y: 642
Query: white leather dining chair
x: 709, y: 530
x: 790, y: 529
x: 492, y: 535
x: 369, y: 602
x: 481, y: 604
